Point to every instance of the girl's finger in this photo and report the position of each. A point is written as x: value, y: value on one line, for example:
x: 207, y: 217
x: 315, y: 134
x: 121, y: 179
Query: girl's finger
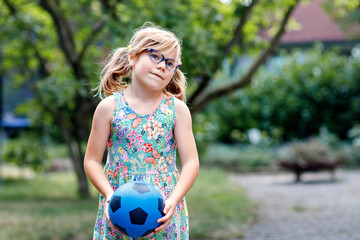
x: 163, y: 219
x: 162, y: 226
x: 166, y: 209
x: 106, y: 210
x: 168, y: 215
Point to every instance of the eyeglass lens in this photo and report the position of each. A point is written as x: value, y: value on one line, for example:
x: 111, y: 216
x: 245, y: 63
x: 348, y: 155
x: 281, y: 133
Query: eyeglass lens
x: 157, y: 57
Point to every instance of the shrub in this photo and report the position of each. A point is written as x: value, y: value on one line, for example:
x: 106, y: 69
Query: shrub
x: 26, y: 150
x: 294, y: 99
x: 303, y: 152
x: 237, y: 157
x: 349, y: 154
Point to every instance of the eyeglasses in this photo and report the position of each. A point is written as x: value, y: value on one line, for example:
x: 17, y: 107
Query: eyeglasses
x: 157, y: 57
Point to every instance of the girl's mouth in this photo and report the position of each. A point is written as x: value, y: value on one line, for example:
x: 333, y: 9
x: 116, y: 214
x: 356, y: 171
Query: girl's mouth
x: 157, y: 75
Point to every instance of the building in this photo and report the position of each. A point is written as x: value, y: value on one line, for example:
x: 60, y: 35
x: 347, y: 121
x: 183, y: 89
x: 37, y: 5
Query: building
x: 316, y: 25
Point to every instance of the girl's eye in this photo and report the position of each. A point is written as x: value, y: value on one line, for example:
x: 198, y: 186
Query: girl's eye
x: 155, y: 56
x: 170, y: 63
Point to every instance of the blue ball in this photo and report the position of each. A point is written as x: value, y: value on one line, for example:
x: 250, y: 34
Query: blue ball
x: 135, y: 207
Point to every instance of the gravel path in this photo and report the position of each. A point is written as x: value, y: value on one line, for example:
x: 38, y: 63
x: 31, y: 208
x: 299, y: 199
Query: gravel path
x: 315, y: 209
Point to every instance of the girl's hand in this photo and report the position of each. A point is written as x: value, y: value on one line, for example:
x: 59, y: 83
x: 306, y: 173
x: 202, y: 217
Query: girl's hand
x: 106, y: 211
x: 169, y: 210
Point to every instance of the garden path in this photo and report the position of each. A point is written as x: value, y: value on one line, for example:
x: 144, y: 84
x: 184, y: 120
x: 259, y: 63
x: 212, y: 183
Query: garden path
x: 315, y: 209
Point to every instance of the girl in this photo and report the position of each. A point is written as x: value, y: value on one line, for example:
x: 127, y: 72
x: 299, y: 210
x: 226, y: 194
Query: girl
x: 141, y: 123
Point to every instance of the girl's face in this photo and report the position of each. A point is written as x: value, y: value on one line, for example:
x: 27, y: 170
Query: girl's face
x: 153, y: 76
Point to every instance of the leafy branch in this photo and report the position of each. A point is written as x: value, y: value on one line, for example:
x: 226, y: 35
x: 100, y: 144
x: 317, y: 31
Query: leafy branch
x: 204, y: 99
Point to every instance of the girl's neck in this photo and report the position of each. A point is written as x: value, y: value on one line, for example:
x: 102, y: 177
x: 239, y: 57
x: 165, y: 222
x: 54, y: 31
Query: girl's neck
x: 138, y: 92
x: 141, y: 101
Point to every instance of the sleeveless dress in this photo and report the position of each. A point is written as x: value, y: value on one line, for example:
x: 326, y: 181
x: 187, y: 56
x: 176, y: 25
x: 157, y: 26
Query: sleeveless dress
x: 143, y: 148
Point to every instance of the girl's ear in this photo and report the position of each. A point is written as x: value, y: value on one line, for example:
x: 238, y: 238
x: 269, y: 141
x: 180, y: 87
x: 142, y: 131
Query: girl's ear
x: 132, y: 60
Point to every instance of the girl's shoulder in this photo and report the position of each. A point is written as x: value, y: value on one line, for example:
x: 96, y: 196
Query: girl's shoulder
x: 108, y: 102
x: 178, y: 103
x: 181, y: 109
x: 106, y: 107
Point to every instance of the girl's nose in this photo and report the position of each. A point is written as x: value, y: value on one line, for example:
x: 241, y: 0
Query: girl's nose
x: 161, y: 64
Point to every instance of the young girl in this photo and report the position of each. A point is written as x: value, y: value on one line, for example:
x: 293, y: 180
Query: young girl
x: 141, y: 124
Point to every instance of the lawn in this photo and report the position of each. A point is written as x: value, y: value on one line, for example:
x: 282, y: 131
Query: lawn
x: 47, y: 207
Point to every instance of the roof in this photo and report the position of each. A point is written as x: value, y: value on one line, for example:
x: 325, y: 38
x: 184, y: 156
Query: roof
x: 315, y: 25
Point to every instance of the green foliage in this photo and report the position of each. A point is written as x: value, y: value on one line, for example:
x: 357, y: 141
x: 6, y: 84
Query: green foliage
x: 324, y: 148
x: 58, y: 52
x: 26, y: 150
x: 295, y: 98
x: 30, y: 35
x: 348, y: 152
x: 59, y: 90
x: 354, y: 135
x: 346, y: 13
x: 349, y: 155
x: 238, y: 158
x: 304, y: 152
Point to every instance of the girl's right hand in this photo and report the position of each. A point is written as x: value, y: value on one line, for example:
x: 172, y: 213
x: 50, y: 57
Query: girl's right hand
x: 106, y: 211
x: 169, y: 210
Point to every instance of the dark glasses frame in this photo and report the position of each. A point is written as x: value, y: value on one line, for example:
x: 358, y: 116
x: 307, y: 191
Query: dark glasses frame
x: 152, y: 51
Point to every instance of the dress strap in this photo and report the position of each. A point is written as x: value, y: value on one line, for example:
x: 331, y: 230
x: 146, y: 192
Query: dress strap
x: 168, y: 106
x: 119, y: 99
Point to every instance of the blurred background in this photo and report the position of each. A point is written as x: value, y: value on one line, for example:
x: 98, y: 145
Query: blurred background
x: 273, y: 87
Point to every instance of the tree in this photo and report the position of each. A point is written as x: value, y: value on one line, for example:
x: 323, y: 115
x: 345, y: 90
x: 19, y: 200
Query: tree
x: 346, y: 14
x: 56, y: 45
x: 306, y: 91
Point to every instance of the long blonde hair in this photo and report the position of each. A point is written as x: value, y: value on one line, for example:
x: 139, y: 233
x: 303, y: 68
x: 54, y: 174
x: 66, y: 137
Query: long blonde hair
x: 118, y: 67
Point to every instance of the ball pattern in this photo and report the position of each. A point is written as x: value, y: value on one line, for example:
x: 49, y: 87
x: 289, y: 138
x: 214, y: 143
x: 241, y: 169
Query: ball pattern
x: 135, y: 208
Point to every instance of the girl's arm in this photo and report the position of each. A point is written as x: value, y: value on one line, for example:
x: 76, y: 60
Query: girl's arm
x: 98, y: 138
x: 189, y: 161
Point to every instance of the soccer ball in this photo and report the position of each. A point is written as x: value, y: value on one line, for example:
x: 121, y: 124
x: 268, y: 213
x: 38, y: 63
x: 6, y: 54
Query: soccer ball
x: 135, y: 207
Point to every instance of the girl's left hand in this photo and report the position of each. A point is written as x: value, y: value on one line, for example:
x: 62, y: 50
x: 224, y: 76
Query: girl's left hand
x: 169, y: 210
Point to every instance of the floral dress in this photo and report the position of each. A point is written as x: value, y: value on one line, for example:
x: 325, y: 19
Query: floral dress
x: 143, y: 148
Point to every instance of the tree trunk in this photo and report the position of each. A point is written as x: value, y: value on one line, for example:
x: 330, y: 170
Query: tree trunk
x: 80, y: 172
x: 76, y: 157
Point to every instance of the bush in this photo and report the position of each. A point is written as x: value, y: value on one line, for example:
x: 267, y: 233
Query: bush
x: 294, y: 99
x: 305, y: 152
x: 237, y: 157
x: 349, y: 154
x: 320, y: 149
x: 26, y: 150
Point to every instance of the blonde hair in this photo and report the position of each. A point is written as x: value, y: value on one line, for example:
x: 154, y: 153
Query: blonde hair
x: 118, y: 67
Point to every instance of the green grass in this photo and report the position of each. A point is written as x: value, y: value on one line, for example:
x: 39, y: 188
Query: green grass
x: 298, y: 208
x: 218, y: 208
x: 47, y: 207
